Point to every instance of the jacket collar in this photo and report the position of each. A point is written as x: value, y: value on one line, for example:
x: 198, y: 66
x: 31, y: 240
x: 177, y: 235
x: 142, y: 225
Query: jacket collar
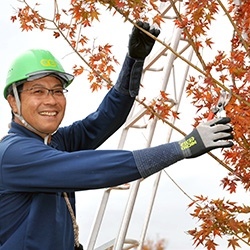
x: 18, y: 129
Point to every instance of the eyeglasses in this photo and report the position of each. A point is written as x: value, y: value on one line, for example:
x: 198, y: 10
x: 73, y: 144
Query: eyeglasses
x: 43, y: 92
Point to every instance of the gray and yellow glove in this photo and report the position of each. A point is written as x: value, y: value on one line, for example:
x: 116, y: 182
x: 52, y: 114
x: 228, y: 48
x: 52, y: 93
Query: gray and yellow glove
x: 140, y: 44
x: 207, y: 136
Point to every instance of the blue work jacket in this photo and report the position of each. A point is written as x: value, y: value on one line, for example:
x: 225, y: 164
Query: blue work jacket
x: 33, y: 176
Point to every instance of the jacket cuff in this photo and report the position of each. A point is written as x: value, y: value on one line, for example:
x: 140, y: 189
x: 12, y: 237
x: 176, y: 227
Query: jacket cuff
x: 151, y: 160
x: 128, y: 82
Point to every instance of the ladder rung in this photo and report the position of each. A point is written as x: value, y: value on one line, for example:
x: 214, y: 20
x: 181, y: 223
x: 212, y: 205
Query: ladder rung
x: 128, y: 244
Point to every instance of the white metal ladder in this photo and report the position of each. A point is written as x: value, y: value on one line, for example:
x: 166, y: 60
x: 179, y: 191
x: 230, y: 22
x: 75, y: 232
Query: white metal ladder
x: 166, y: 70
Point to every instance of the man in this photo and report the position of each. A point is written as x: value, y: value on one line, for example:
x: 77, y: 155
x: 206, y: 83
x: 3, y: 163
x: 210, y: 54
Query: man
x: 42, y: 165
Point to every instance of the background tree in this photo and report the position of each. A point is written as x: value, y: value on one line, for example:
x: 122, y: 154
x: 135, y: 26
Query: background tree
x: 151, y: 245
x: 227, y: 70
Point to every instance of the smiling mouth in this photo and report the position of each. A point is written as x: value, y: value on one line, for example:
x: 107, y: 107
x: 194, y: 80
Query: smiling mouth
x: 48, y: 113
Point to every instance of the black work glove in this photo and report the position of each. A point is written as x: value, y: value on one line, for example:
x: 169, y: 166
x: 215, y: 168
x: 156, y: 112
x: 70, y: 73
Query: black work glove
x: 207, y: 136
x: 80, y: 247
x: 140, y: 44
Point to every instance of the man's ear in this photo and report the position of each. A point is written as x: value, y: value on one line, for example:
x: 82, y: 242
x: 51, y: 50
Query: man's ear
x: 12, y: 102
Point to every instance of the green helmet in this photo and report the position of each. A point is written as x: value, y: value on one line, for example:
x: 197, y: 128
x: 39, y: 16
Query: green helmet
x: 35, y: 64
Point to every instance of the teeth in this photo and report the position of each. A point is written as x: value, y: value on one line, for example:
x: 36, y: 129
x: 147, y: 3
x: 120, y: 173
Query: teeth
x: 48, y: 113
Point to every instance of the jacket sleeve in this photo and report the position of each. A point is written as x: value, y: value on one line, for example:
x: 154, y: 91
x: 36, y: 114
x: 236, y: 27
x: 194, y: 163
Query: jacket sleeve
x: 28, y: 165
x: 96, y: 128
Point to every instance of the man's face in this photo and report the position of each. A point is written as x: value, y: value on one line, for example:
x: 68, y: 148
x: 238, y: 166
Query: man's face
x: 42, y: 110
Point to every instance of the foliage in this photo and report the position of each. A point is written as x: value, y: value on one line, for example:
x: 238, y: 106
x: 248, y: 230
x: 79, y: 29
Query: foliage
x: 228, y: 70
x: 151, y: 245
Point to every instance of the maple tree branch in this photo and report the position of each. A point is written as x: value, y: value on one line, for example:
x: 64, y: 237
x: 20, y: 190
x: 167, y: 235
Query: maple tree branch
x: 178, y: 186
x: 147, y: 107
x: 241, y: 238
x: 193, y: 66
x: 54, y: 22
x: 56, y: 9
x: 158, y: 40
x: 56, y: 25
x: 221, y: 162
x: 234, y: 26
x: 190, y: 40
x: 241, y: 173
x: 204, y: 73
x: 33, y: 10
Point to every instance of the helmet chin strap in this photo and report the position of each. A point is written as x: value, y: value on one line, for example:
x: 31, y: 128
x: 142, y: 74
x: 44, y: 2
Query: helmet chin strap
x: 20, y: 117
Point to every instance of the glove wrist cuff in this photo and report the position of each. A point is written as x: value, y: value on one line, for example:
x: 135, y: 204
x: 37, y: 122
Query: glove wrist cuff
x: 192, y: 145
x: 135, y: 59
x: 128, y: 82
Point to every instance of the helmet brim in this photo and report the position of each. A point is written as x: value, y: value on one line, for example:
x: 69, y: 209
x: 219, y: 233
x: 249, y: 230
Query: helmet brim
x: 64, y: 77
